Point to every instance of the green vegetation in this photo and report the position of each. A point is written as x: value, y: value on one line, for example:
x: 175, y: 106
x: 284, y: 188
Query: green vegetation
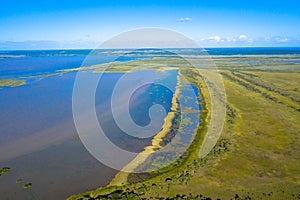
x: 11, y: 82
x: 75, y: 138
x: 257, y: 156
x: 27, y: 185
x: 19, y: 181
x: 4, y: 170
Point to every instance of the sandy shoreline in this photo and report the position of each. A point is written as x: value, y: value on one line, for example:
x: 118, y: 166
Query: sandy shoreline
x: 121, y: 177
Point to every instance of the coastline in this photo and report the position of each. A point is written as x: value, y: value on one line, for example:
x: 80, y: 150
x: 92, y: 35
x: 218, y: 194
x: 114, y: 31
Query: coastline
x: 122, y: 176
x: 189, y: 158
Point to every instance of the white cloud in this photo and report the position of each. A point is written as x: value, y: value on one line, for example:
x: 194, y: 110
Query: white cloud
x: 184, y: 19
x: 282, y: 39
x: 215, y: 38
x: 242, y: 37
x: 244, y: 40
x: 228, y: 39
x: 278, y: 39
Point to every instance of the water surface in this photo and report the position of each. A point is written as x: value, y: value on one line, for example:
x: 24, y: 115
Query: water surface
x: 39, y: 141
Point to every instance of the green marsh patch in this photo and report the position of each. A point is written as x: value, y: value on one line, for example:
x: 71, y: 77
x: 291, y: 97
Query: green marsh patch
x: 27, y: 186
x: 4, y: 170
x: 10, y: 82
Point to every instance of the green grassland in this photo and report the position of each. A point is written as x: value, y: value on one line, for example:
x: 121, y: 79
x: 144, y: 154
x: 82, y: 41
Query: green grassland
x: 258, y: 154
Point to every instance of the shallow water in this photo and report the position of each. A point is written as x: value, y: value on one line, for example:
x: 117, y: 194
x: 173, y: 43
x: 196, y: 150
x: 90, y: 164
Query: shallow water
x: 39, y: 139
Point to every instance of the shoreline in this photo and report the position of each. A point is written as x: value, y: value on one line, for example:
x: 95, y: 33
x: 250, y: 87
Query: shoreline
x: 122, y: 176
x: 192, y: 151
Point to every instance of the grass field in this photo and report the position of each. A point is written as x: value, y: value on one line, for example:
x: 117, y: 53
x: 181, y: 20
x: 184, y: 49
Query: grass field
x: 258, y: 154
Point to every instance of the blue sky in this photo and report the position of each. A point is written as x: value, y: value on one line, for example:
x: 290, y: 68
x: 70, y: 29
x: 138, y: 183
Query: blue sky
x: 82, y: 24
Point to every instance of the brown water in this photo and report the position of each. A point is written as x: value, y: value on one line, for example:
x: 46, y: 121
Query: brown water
x: 37, y: 138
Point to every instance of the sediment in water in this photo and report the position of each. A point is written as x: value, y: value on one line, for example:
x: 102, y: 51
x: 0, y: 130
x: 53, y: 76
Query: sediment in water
x: 121, y: 177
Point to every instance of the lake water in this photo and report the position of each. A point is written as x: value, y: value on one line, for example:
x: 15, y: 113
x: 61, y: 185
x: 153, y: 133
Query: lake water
x: 39, y: 141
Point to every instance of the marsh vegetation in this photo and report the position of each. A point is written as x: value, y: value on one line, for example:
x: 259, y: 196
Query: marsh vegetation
x: 4, y: 170
x: 257, y: 156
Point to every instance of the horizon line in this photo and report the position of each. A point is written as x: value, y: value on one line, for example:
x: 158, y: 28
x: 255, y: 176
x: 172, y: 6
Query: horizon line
x: 208, y: 47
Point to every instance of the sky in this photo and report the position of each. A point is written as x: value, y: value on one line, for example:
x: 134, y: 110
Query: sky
x: 84, y: 24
